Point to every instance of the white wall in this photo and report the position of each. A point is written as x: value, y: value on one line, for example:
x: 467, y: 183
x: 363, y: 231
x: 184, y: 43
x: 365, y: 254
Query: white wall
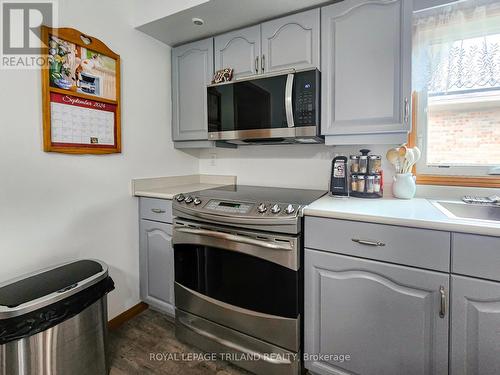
x: 299, y: 166
x: 55, y: 207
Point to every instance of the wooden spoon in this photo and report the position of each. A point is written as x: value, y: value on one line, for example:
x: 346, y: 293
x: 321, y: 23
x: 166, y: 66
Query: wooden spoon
x: 402, y: 157
x: 393, y: 157
x: 409, y: 160
x: 417, y: 153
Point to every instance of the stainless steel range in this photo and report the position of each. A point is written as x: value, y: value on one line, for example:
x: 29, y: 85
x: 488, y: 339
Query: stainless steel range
x: 238, y: 276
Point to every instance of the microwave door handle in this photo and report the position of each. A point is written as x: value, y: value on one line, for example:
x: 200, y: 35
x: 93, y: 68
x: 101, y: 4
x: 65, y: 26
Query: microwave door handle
x: 288, y: 100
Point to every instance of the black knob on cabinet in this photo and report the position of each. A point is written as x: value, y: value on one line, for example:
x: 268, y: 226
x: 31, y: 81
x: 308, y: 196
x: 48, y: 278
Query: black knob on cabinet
x: 188, y: 199
x: 180, y: 198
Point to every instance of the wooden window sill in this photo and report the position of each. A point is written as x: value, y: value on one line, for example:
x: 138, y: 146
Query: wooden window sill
x: 484, y: 182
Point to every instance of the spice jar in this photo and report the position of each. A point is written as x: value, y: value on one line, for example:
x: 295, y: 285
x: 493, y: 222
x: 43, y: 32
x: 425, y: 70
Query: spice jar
x: 377, y: 184
x: 374, y: 164
x: 354, y: 182
x: 354, y: 163
x: 370, y: 181
x: 360, y: 183
x: 363, y: 163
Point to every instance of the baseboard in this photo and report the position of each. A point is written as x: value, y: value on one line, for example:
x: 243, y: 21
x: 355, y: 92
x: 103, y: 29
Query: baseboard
x: 125, y: 316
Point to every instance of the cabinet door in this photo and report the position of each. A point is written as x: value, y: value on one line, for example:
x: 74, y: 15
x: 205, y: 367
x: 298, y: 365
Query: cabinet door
x: 291, y: 42
x: 475, y: 327
x: 192, y: 70
x: 157, y: 265
x: 366, y: 67
x: 387, y: 318
x: 239, y: 50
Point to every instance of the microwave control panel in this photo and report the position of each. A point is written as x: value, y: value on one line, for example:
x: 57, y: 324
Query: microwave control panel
x: 306, y: 98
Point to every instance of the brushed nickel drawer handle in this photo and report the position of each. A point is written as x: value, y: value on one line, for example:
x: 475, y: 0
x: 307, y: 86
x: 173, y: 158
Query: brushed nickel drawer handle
x: 368, y: 242
x: 442, y: 310
x: 158, y: 211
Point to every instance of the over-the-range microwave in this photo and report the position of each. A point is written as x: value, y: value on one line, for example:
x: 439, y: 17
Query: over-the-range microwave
x: 282, y: 107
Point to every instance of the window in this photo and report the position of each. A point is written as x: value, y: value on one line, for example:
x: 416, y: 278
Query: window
x: 456, y: 79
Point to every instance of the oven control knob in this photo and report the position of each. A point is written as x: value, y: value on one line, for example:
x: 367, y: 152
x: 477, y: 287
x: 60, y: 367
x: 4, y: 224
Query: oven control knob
x: 262, y: 208
x: 197, y: 201
x: 275, y: 209
x: 289, y: 209
x: 180, y: 198
x: 188, y: 199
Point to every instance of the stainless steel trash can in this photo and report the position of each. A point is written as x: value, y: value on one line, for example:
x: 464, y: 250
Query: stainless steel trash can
x: 54, y: 322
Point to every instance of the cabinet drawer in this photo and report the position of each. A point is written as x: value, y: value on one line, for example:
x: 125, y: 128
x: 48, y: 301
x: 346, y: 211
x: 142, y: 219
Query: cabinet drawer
x: 156, y: 209
x: 409, y: 246
x: 475, y: 255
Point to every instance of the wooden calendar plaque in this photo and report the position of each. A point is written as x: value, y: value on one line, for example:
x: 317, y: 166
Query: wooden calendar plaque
x: 81, y: 94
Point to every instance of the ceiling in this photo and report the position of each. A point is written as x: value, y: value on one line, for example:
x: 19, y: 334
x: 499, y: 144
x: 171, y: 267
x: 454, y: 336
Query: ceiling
x: 221, y: 16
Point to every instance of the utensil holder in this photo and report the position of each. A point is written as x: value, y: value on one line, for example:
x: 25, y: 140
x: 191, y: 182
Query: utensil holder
x: 404, y: 186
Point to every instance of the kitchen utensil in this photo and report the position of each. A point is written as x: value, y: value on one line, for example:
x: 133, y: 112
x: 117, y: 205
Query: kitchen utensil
x: 393, y: 158
x: 402, y: 157
x: 415, y: 158
x: 417, y: 153
x: 409, y: 160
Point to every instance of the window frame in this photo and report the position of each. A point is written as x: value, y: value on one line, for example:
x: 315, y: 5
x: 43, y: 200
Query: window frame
x: 458, y: 176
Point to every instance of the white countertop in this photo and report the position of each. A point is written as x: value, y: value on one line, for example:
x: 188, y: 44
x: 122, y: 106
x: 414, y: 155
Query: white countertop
x: 417, y: 212
x: 168, y: 187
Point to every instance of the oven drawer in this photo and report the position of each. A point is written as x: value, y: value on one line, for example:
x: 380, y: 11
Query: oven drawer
x: 156, y: 209
x: 475, y: 255
x: 408, y: 246
x: 263, y: 357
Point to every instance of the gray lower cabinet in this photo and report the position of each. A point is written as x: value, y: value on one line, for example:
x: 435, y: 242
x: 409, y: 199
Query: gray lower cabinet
x: 389, y: 319
x: 157, y: 265
x: 192, y: 70
x: 475, y: 327
x: 291, y: 42
x: 239, y: 50
x: 366, y: 71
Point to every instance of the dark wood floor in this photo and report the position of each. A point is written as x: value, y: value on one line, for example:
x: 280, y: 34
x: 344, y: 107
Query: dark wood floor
x: 151, y: 332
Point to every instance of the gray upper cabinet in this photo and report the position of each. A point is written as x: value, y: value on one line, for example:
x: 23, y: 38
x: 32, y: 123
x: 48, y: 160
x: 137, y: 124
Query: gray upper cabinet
x: 475, y: 332
x: 389, y: 319
x: 156, y: 264
x: 366, y: 69
x: 292, y: 42
x: 239, y: 50
x: 192, y: 70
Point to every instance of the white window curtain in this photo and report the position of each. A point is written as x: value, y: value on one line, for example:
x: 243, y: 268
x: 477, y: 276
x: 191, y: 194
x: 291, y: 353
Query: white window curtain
x: 456, y: 47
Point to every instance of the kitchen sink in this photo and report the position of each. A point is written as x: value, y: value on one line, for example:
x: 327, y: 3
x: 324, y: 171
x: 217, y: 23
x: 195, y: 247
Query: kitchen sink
x: 468, y: 211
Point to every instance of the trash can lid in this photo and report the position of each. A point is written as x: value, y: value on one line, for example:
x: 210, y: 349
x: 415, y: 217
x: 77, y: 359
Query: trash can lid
x: 47, y: 286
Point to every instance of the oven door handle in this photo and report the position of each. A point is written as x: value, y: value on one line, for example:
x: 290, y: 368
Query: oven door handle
x: 288, y: 100
x: 235, y: 238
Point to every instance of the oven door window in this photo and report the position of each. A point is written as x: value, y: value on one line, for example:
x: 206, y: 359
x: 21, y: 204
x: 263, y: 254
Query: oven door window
x: 238, y: 279
x: 247, y: 105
